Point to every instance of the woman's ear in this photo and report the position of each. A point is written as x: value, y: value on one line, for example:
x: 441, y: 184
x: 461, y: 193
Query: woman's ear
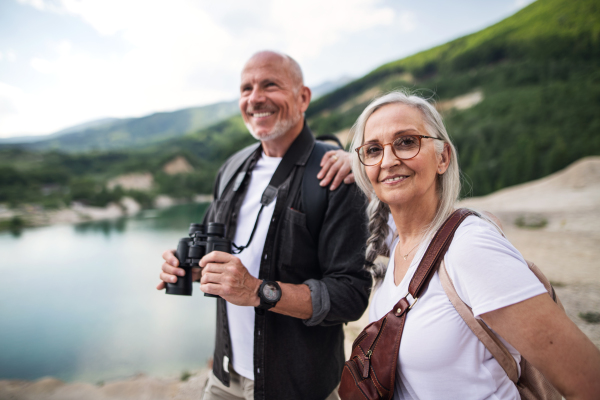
x: 444, y: 160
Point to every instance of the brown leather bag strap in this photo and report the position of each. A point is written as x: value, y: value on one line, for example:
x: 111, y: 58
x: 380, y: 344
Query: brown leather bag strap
x: 436, y: 250
x: 371, y: 371
x: 432, y: 258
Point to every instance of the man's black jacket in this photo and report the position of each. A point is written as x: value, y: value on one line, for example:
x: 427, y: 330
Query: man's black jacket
x: 294, y: 358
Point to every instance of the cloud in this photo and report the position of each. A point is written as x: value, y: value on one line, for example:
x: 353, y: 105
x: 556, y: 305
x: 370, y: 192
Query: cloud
x: 13, y: 101
x: 11, y: 56
x: 317, y: 24
x: 178, y: 53
x: 43, y: 5
x: 10, y: 96
x: 408, y: 21
x: 41, y: 65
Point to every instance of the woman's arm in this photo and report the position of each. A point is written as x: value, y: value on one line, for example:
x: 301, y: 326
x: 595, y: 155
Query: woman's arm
x: 549, y: 340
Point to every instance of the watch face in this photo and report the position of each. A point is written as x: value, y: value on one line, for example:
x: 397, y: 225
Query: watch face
x: 270, y: 292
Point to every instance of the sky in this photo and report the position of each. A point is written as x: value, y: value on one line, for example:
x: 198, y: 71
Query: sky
x: 65, y: 62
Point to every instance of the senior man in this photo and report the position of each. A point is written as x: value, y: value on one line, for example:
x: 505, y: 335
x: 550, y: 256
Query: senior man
x: 286, y: 296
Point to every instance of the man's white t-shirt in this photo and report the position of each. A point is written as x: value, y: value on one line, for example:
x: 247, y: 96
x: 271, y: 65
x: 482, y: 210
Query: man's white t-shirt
x: 241, y: 319
x: 439, y: 357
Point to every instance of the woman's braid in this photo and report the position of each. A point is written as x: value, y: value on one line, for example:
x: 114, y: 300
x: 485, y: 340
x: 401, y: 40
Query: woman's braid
x: 378, y: 213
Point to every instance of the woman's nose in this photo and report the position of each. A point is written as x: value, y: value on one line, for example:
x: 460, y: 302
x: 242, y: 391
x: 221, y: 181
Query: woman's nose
x: 389, y: 158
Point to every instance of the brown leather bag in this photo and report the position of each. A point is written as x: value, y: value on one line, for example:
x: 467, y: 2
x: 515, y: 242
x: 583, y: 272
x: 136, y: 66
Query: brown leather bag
x: 371, y: 370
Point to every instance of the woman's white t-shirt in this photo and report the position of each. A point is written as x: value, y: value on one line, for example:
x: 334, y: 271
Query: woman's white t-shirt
x: 439, y: 357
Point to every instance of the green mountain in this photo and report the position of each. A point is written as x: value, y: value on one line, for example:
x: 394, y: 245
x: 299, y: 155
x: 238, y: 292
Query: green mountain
x: 131, y: 133
x: 537, y: 73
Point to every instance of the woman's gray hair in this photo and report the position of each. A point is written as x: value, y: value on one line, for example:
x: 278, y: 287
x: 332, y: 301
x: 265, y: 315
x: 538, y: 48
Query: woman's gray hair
x: 448, y: 185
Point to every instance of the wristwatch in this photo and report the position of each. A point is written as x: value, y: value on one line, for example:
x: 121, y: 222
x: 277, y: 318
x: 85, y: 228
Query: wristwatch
x: 269, y: 293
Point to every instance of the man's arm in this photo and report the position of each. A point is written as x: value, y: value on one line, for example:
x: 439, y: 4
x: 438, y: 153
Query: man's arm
x: 342, y: 294
x: 224, y: 275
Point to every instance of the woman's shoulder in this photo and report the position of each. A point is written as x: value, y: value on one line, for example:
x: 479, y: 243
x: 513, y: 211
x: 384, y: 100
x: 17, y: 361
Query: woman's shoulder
x: 478, y: 233
x: 477, y: 240
x: 487, y: 270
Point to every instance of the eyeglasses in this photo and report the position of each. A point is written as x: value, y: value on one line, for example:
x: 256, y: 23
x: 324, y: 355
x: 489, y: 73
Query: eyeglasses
x: 404, y: 148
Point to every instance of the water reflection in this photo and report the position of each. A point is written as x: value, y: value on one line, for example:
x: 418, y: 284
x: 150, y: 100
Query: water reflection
x: 175, y: 218
x: 79, y: 302
x: 106, y: 227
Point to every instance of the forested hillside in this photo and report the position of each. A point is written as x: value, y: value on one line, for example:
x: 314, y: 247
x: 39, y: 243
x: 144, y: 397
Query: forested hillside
x: 535, y: 78
x: 53, y: 179
x: 539, y: 76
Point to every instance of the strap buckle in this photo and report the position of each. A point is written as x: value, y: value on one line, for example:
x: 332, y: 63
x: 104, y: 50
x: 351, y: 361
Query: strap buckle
x: 414, y: 301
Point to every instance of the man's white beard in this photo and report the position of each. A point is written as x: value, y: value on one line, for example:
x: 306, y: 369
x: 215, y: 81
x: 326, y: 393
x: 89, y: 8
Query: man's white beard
x: 281, y: 128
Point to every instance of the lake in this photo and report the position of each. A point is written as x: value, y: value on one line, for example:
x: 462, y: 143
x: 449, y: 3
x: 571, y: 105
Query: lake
x: 79, y: 302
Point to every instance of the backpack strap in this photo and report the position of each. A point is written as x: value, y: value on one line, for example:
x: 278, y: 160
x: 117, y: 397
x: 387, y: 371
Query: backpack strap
x: 542, y: 278
x: 485, y: 335
x: 314, y: 196
x: 234, y: 164
x: 479, y: 328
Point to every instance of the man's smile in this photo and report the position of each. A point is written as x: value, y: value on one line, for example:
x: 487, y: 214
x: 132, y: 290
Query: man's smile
x: 260, y: 114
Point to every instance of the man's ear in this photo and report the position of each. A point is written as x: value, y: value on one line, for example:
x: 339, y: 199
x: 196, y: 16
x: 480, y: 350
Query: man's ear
x: 305, y: 95
x: 444, y: 159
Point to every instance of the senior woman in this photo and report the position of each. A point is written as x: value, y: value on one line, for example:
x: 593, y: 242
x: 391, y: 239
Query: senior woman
x: 406, y: 164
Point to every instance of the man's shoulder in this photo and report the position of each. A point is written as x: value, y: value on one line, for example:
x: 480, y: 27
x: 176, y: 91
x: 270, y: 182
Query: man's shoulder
x: 240, y: 156
x: 233, y: 164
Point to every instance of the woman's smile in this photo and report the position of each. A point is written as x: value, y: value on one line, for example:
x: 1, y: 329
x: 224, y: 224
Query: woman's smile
x: 392, y: 180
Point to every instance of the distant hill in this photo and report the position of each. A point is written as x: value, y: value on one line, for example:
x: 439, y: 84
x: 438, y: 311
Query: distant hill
x: 76, y: 128
x: 328, y: 86
x: 129, y: 133
x: 86, y: 125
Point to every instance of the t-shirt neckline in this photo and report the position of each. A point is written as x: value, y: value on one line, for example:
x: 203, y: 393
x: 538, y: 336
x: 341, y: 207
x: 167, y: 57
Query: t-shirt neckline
x: 411, y: 269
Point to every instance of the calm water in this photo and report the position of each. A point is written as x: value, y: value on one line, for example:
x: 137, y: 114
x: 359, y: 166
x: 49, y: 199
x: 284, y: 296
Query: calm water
x: 79, y: 302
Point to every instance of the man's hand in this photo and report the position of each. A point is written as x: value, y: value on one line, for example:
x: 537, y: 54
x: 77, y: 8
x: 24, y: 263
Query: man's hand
x: 224, y: 275
x: 336, y: 165
x: 170, y: 272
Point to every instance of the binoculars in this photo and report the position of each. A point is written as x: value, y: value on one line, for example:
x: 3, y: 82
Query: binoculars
x: 201, y: 240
